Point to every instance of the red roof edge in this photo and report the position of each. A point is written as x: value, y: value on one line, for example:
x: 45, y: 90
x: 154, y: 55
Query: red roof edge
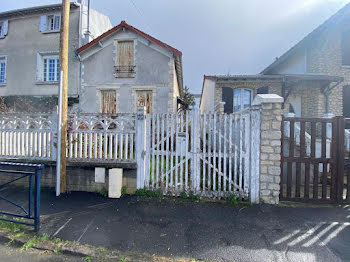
x: 131, y: 28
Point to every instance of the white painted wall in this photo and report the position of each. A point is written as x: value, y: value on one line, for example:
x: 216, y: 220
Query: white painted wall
x: 208, y: 96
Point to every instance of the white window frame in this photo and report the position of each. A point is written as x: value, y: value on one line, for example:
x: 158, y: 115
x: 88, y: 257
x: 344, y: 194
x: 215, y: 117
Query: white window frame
x: 46, y: 68
x: 4, y: 28
x: 242, y: 98
x: 51, y: 22
x: 3, y: 58
x: 42, y: 72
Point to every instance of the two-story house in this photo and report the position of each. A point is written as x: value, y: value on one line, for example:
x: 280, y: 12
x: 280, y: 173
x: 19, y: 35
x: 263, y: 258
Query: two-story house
x: 125, y: 68
x: 313, y: 77
x: 29, y: 53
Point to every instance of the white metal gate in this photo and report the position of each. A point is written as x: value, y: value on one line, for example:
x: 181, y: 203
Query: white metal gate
x: 213, y: 155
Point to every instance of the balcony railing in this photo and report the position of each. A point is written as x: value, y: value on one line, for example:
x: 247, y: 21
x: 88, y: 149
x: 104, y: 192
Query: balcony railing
x: 125, y: 69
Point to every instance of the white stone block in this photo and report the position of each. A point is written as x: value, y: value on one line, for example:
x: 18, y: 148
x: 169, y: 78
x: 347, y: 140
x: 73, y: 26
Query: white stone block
x: 267, y: 98
x: 115, y: 182
x: 100, y: 174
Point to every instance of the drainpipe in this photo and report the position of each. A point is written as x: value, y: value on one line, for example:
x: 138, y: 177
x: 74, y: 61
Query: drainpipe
x: 87, y: 33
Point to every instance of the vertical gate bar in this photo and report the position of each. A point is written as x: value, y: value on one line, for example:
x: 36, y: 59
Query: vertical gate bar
x: 324, y: 155
x: 187, y: 148
x: 204, y: 156
x: 291, y: 154
x: 80, y: 150
x: 43, y: 144
x: 209, y: 151
x: 158, y: 151
x: 247, y: 174
x: 235, y: 142
x: 100, y: 146
x: 176, y: 122
x: 154, y: 164
x: 37, y: 200
x: 214, y: 153
x: 220, y: 153
x: 148, y: 149
x: 162, y: 151
x: 313, y: 155
x: 105, y: 144
x: 240, y: 181
x: 334, y: 159
x: 307, y: 181
x: 282, y: 157
x: 131, y: 143
x: 225, y: 154
x: 30, y: 196
x: 173, y: 156
x: 167, y: 152
x: 297, y: 176
x: 230, y: 143
x: 315, y: 182
x: 70, y: 145
x: 340, y: 157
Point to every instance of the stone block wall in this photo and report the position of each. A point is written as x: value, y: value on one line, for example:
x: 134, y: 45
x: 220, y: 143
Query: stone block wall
x: 270, y: 149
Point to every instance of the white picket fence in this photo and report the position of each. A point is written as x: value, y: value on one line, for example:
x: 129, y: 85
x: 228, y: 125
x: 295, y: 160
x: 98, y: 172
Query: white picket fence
x: 91, y: 137
x: 213, y: 155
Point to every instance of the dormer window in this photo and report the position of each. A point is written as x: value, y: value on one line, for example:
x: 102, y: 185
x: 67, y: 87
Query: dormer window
x: 125, y: 59
x: 50, y: 23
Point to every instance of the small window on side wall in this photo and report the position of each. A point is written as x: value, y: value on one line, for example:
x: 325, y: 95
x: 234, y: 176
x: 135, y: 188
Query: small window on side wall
x: 263, y: 90
x: 49, y: 23
x: 242, y: 98
x: 3, y: 28
x: 3, y: 63
x: 345, y: 48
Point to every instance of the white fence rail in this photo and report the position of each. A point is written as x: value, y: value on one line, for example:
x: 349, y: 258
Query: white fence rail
x: 212, y: 155
x: 27, y: 136
x: 91, y: 137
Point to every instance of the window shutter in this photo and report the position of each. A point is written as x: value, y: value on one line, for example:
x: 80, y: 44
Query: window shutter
x: 38, y: 68
x: 227, y: 97
x: 126, y: 53
x: 4, y: 28
x: 43, y: 23
x: 57, y: 21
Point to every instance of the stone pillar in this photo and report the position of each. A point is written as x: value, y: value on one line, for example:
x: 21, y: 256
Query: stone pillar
x: 270, y: 146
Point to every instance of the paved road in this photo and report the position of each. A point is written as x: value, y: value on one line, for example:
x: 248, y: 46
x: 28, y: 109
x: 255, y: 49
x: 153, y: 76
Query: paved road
x: 200, y: 230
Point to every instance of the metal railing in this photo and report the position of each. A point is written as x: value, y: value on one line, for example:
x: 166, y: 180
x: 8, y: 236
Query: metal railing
x: 18, y: 171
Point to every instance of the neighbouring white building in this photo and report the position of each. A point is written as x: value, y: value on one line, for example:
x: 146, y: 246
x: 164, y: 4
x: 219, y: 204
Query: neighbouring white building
x: 29, y: 53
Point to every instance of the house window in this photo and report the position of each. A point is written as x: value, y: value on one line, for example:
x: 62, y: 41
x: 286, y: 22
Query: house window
x: 3, y: 28
x: 108, y: 102
x: 345, y: 48
x: 51, y: 68
x: 125, y: 59
x: 144, y: 98
x: 263, y: 90
x: 3, y: 63
x: 49, y: 23
x: 242, y: 98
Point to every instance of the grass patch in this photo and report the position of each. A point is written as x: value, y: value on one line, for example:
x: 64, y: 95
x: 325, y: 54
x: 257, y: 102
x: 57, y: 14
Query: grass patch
x: 124, y: 190
x: 11, y: 226
x: 103, y: 192
x: 190, y: 196
x: 122, y: 260
x: 31, y: 242
x: 88, y: 258
x: 149, y: 193
x: 232, y: 199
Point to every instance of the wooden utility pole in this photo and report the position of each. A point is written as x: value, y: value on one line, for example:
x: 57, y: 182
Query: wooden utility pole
x: 63, y: 94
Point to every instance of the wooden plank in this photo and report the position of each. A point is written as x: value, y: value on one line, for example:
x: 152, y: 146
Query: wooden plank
x: 334, y: 165
x: 186, y: 152
x: 323, y: 155
x: 172, y: 134
x: 157, y: 143
x: 126, y: 146
x: 282, y: 159
x: 297, y: 182
x: 324, y: 182
x: 340, y: 158
x: 177, y: 152
x: 162, y: 135
x: 246, y: 154
x: 235, y: 139
x: 110, y: 146
x: 291, y: 154
x: 148, y: 150
x: 209, y: 152
x: 240, y: 181
x: 307, y: 181
x: 315, y: 182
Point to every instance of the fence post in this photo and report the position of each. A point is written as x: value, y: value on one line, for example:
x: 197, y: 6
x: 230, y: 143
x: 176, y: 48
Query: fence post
x: 195, y: 173
x: 141, y: 146
x: 254, y: 182
x: 270, y: 146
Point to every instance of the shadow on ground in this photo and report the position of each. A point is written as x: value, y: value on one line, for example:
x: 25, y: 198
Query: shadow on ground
x: 214, y: 231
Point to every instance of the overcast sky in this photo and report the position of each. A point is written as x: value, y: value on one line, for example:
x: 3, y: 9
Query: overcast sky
x: 216, y: 36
